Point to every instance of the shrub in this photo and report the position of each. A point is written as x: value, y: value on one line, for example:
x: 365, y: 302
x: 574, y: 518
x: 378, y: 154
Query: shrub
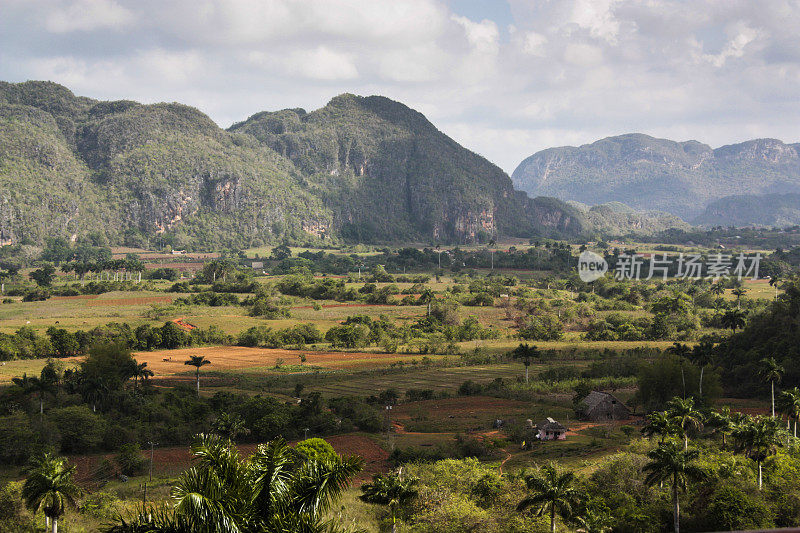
x: 130, y: 459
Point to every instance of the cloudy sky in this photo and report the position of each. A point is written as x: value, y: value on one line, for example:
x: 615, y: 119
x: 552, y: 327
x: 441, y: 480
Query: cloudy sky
x: 503, y: 77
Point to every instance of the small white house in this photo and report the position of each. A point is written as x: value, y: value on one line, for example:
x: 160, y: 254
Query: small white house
x: 549, y: 429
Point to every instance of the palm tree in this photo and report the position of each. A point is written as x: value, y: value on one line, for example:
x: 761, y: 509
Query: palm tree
x: 389, y: 489
x: 552, y: 491
x: 685, y: 417
x: 738, y: 292
x: 141, y: 371
x: 682, y: 352
x: 757, y: 438
x: 702, y: 355
x: 49, y: 487
x: 790, y: 399
x: 197, y: 361
x: 669, y: 463
x: 592, y: 521
x: 526, y: 353
x: 35, y: 385
x: 229, y: 426
x: 733, y: 319
x: 721, y: 421
x: 717, y: 289
x: 273, y: 490
x: 774, y: 281
x: 771, y: 371
x: 659, y: 423
x: 93, y: 389
x: 426, y: 297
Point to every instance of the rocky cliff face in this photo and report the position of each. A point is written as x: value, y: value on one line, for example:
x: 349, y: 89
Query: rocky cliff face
x: 363, y: 169
x: 658, y: 174
x: 389, y: 174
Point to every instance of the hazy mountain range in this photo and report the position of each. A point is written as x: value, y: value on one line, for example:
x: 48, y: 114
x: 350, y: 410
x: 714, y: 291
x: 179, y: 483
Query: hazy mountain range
x: 686, y: 179
x: 365, y: 169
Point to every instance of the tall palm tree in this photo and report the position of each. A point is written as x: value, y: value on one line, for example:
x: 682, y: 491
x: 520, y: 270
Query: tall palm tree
x: 771, y: 371
x: 36, y: 385
x: 426, y: 297
x: 93, y: 389
x: 659, y: 423
x: 391, y: 490
x: 685, y: 416
x: 758, y: 438
x: 738, y: 292
x: 721, y: 421
x: 790, y: 399
x: 682, y: 352
x: 775, y: 281
x: 526, y: 353
x: 669, y: 463
x: 229, y: 426
x: 49, y: 487
x: 551, y: 492
x: 702, y: 355
x: 197, y: 361
x: 717, y: 289
x: 733, y: 319
x: 141, y: 371
x: 273, y: 490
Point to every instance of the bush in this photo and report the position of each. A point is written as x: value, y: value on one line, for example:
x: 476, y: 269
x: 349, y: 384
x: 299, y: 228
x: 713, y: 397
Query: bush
x: 80, y: 429
x: 130, y: 459
x: 316, y: 448
x: 542, y: 328
x: 469, y: 388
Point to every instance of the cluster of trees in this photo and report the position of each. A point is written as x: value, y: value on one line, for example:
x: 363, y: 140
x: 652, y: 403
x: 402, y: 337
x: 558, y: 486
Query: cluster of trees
x: 545, y: 255
x: 57, y: 342
x: 108, y: 402
x: 735, y: 471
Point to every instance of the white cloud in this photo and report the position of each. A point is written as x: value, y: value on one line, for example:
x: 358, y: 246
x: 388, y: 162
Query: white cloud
x: 534, y: 44
x: 321, y: 63
x: 87, y: 15
x: 565, y: 71
x: 742, y: 36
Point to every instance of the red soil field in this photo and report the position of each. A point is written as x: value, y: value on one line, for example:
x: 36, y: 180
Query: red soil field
x: 170, y: 362
x: 143, y: 300
x: 173, y: 460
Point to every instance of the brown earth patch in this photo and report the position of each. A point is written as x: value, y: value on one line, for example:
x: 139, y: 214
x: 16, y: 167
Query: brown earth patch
x: 170, y: 362
x: 142, y: 300
x: 173, y: 460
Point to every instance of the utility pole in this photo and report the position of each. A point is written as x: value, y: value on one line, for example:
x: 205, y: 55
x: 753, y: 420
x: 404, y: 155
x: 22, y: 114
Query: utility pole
x: 144, y: 497
x: 152, y: 446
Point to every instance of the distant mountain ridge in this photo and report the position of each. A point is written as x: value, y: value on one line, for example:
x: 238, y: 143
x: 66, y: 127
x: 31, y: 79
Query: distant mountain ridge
x: 647, y: 173
x: 772, y: 210
x: 359, y: 169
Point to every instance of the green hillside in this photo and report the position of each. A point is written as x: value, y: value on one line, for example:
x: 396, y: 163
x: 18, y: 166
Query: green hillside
x: 776, y: 210
x: 368, y: 155
x: 359, y: 169
x: 658, y: 174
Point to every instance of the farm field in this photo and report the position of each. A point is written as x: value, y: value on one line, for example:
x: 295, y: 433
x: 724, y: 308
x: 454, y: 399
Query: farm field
x: 314, y: 354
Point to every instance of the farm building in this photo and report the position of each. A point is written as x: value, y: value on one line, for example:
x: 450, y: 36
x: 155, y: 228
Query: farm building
x: 549, y: 429
x: 599, y: 406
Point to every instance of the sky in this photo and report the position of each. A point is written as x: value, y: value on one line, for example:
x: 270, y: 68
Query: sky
x: 505, y: 78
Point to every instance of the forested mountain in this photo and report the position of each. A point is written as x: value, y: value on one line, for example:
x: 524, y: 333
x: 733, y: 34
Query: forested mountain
x: 614, y: 219
x: 777, y: 210
x: 365, y: 169
x: 658, y: 174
